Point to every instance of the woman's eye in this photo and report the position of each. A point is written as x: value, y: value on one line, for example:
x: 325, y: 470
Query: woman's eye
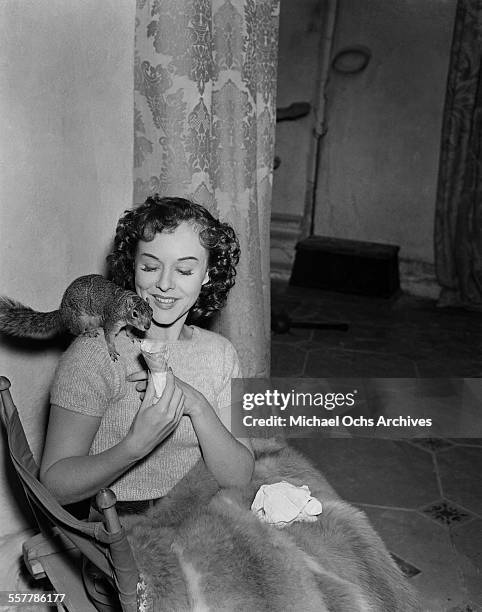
x: 148, y: 268
x: 185, y: 272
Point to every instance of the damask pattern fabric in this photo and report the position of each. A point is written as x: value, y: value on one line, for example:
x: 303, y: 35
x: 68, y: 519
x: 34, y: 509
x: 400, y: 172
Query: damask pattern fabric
x: 204, y: 121
x: 458, y: 219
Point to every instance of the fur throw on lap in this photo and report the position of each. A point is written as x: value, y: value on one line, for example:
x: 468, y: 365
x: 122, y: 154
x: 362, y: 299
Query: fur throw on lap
x: 202, y: 548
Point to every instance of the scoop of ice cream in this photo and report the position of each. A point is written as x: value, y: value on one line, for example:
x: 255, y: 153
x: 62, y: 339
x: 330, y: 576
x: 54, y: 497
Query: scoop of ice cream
x: 156, y: 355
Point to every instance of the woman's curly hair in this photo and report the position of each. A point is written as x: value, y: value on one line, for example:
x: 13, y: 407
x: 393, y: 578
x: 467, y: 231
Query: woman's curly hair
x: 159, y: 214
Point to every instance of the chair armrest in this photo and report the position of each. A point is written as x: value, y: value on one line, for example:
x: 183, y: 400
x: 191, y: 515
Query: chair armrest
x: 39, y: 546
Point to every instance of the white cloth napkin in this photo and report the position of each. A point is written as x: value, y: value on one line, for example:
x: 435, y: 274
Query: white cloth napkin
x: 283, y: 503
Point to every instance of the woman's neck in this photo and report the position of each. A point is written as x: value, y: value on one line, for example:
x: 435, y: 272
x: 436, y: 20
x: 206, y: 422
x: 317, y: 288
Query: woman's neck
x: 169, y: 333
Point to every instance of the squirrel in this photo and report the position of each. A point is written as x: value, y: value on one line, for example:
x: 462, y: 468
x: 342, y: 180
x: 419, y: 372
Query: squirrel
x: 89, y: 302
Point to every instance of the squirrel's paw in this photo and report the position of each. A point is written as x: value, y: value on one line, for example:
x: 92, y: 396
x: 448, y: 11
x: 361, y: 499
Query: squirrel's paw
x: 91, y: 333
x: 113, y: 353
x: 130, y: 334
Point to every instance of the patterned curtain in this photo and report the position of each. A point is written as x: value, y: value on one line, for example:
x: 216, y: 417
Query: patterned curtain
x: 458, y: 219
x: 205, y: 86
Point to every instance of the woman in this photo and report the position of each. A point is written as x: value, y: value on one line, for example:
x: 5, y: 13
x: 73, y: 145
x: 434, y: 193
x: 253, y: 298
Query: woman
x: 174, y: 254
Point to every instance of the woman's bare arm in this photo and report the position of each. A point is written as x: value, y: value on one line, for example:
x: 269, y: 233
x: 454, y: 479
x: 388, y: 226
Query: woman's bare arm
x: 71, y: 474
x: 67, y: 469
x: 228, y: 458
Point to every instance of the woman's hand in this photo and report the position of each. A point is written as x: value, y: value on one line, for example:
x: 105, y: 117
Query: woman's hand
x: 194, y: 400
x: 195, y: 403
x: 156, y: 419
x: 229, y: 459
x: 140, y: 378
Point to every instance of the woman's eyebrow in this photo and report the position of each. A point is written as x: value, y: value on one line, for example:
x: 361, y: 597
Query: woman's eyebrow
x: 149, y: 255
x: 179, y: 259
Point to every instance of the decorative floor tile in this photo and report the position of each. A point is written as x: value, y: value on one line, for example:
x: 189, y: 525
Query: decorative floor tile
x: 446, y: 513
x: 407, y: 569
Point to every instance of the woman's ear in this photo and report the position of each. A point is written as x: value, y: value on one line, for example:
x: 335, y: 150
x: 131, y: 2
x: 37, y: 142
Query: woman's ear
x: 206, y: 278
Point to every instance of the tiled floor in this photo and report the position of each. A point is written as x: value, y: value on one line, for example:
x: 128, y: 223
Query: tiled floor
x: 424, y: 496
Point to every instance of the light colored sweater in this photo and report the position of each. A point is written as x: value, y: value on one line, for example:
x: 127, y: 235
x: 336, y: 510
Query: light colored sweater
x: 89, y: 382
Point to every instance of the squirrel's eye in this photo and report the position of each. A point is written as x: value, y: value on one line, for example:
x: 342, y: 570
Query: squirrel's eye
x: 135, y: 314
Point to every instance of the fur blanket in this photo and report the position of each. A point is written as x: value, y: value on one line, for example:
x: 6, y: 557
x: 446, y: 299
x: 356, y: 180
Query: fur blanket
x: 202, y: 549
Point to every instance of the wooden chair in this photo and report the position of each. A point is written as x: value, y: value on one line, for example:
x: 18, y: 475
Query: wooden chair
x: 56, y: 552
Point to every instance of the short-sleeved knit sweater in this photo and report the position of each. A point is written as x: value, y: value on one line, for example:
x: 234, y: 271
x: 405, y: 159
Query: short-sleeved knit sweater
x: 89, y: 382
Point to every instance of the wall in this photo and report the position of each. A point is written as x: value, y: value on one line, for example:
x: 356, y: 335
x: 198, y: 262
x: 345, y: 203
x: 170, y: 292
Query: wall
x: 379, y: 160
x: 300, y: 30
x: 65, y: 177
x: 378, y: 170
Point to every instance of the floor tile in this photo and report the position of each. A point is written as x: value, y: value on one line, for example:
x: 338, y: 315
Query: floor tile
x: 467, y: 540
x: 446, y: 513
x: 467, y: 442
x: 432, y: 444
x: 461, y: 476
x: 453, y: 410
x: 382, y: 472
x: 324, y: 362
x: 287, y: 360
x: 426, y: 546
x: 392, y: 481
x: 293, y: 336
x: 438, y: 366
x: 405, y: 326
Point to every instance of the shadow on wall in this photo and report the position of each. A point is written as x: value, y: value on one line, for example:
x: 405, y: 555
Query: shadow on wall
x: 28, y: 349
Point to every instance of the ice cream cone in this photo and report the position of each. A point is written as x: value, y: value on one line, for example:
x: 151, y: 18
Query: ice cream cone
x: 155, y: 356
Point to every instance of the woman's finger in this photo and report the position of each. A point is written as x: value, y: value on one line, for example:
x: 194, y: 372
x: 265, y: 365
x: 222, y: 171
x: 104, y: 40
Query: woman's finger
x: 136, y: 376
x: 149, y: 394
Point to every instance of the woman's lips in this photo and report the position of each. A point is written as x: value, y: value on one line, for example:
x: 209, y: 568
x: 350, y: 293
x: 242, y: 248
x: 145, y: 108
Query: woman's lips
x: 164, y: 302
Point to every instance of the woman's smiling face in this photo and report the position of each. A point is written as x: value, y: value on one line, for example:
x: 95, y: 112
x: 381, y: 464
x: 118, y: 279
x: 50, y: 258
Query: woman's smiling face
x: 170, y: 271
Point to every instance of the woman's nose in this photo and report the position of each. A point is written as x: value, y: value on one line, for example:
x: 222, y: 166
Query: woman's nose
x: 165, y: 281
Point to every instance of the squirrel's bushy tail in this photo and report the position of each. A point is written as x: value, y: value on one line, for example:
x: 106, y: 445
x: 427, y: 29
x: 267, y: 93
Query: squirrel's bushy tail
x: 19, y: 320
